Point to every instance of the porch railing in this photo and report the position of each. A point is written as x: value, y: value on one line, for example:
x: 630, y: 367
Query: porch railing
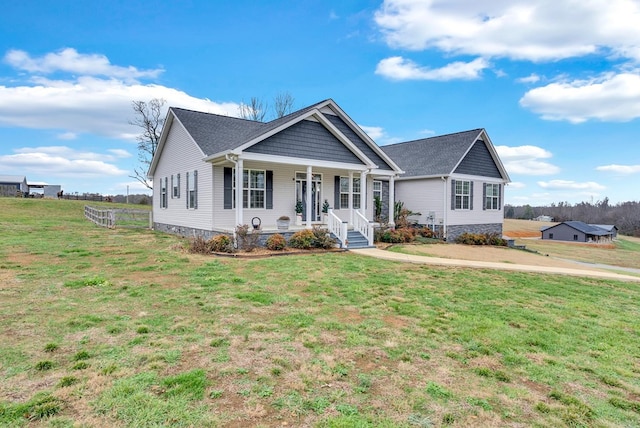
x: 362, y: 225
x: 338, y: 228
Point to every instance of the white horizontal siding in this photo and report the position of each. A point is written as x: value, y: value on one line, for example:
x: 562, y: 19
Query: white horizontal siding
x: 477, y: 215
x: 284, y: 194
x: 422, y: 196
x: 179, y: 156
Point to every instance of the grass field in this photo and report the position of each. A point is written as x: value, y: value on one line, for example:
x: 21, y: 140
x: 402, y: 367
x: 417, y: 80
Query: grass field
x: 124, y: 328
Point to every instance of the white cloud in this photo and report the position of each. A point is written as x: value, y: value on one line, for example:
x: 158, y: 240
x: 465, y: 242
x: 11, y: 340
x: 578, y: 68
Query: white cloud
x: 589, y: 186
x: 88, y: 104
x: 620, y: 169
x: 70, y: 61
x: 67, y: 136
x: 399, y: 68
x: 375, y: 132
x: 519, y: 29
x: 526, y: 160
x: 119, y: 153
x: 517, y: 185
x: 611, y: 97
x: 532, y: 78
x: 59, y: 162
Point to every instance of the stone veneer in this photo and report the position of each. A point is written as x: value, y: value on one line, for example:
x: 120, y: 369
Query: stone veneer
x: 454, y: 231
x: 189, y: 232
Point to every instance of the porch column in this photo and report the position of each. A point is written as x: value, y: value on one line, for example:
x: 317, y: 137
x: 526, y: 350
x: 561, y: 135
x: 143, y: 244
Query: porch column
x: 392, y: 201
x: 239, y: 192
x: 309, y: 200
x: 350, y: 197
x: 363, y: 193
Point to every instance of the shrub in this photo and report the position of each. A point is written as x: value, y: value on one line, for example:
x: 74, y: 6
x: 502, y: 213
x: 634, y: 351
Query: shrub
x: 276, y: 242
x: 247, y: 237
x: 302, y: 239
x: 322, y: 238
x: 221, y: 244
x: 426, y: 232
x: 396, y: 236
x: 199, y: 245
x: 481, y: 239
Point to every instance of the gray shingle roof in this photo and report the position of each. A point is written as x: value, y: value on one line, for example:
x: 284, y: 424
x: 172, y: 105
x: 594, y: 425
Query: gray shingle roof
x: 432, y: 156
x: 216, y: 133
x: 588, y: 229
x: 12, y: 178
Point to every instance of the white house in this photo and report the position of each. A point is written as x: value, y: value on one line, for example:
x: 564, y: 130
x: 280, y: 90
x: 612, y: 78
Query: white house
x: 205, y: 163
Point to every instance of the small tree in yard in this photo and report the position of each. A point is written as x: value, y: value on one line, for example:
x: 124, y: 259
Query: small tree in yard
x: 150, y: 118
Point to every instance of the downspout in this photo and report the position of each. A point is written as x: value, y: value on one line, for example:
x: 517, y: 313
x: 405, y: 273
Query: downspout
x: 444, y: 207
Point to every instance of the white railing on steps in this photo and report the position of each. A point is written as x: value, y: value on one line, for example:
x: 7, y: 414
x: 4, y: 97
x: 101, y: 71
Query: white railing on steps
x: 338, y: 228
x: 364, y: 226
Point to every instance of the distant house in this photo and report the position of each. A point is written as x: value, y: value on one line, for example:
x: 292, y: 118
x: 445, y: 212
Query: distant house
x: 10, y: 185
x: 577, y: 231
x: 455, y: 181
x: 544, y: 218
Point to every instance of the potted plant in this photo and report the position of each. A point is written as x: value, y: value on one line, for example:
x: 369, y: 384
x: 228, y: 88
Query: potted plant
x: 283, y: 222
x: 325, y: 212
x: 299, y: 212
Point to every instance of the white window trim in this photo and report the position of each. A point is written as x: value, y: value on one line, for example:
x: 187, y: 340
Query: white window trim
x: 462, y: 195
x: 249, y: 189
x: 494, y: 197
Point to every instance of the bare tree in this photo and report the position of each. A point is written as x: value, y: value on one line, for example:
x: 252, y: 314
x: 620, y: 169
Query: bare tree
x: 283, y: 104
x: 150, y: 118
x: 256, y: 109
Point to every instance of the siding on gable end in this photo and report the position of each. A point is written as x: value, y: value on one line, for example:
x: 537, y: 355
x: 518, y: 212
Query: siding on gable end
x: 478, y: 161
x: 181, y: 156
x: 307, y: 140
x: 358, y: 142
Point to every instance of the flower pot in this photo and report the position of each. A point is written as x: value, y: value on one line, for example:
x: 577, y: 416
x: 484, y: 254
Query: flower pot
x: 282, y: 224
x: 299, y: 219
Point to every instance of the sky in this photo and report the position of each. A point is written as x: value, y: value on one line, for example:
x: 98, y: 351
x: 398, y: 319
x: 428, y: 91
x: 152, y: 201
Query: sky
x: 556, y: 84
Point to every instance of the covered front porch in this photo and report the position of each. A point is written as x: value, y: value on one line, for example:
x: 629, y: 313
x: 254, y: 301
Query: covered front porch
x: 311, y: 193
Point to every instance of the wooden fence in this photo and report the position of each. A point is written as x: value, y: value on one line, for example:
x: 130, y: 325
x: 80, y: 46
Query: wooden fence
x: 119, y: 217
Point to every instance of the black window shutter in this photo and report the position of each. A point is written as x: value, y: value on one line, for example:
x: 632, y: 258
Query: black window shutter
x: 178, y: 185
x: 453, y: 194
x: 195, y: 189
x: 228, y: 189
x: 171, y: 186
x: 484, y: 196
x: 269, y: 192
x: 471, y: 195
x: 499, y: 196
x: 187, y: 198
x: 336, y: 192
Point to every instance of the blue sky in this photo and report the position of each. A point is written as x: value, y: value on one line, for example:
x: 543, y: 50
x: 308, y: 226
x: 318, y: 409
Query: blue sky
x: 556, y: 84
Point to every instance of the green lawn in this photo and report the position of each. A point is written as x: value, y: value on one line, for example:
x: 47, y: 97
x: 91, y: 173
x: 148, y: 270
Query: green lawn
x: 125, y: 328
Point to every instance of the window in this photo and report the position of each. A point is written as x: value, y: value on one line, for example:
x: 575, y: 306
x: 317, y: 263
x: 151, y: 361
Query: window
x: 253, y: 188
x: 192, y: 190
x: 551, y: 236
x: 163, y: 193
x: 575, y: 237
x: 462, y: 195
x: 344, y: 192
x: 356, y: 193
x: 492, y: 196
x: 175, y: 185
x: 377, y: 189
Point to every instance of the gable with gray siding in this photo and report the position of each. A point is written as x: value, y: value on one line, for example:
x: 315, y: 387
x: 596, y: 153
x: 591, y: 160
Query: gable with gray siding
x: 358, y: 142
x: 306, y: 139
x: 478, y: 161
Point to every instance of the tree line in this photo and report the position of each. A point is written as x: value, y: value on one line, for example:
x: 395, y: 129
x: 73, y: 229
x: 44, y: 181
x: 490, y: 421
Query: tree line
x: 625, y: 216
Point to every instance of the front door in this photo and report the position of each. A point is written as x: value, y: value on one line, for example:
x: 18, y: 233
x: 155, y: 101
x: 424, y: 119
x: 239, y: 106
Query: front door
x: 302, y: 194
